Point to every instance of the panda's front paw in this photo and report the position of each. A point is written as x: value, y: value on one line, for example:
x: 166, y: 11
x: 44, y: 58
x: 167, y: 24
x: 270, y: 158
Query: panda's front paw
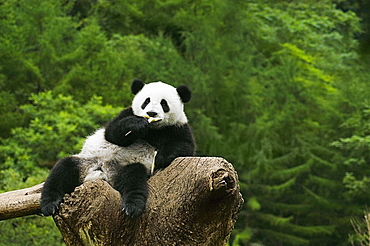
x: 133, y: 210
x: 50, y: 208
x: 135, y: 123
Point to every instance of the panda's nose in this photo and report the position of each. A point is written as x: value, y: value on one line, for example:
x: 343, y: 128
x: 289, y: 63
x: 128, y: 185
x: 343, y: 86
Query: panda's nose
x: 151, y: 113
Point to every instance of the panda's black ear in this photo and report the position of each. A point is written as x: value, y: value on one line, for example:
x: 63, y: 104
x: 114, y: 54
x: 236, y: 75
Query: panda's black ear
x: 136, y: 86
x: 184, y: 93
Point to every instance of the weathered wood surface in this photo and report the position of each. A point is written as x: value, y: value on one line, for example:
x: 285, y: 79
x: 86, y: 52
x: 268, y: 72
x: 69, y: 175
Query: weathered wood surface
x: 194, y: 201
x: 20, y: 203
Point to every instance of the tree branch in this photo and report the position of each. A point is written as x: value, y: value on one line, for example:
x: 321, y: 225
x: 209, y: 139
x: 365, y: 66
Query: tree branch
x: 20, y: 203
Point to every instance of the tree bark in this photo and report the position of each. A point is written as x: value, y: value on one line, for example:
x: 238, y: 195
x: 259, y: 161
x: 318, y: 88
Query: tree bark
x: 194, y: 201
x: 20, y: 203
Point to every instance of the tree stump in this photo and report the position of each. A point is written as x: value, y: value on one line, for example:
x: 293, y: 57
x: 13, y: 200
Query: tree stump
x: 194, y: 201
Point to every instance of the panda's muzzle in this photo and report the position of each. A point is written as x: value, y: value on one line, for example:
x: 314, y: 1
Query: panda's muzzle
x: 152, y: 113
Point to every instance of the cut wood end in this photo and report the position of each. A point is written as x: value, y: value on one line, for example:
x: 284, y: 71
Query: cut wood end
x: 222, y: 181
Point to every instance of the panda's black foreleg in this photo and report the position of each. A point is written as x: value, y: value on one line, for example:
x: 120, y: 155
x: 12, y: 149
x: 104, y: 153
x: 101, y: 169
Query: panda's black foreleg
x: 63, y: 179
x: 131, y: 182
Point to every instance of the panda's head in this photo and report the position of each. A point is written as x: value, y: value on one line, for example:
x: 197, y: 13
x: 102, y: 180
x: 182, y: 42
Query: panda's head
x: 160, y: 101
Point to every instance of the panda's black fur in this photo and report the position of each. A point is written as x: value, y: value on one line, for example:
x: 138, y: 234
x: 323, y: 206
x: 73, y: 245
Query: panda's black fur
x: 122, y: 153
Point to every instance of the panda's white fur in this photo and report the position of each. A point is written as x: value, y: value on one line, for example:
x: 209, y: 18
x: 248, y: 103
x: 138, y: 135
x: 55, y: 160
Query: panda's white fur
x: 158, y: 91
x: 100, y: 157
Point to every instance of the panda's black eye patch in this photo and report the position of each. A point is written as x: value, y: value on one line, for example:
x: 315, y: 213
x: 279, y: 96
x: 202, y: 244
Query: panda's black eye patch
x: 165, y: 106
x: 145, y: 103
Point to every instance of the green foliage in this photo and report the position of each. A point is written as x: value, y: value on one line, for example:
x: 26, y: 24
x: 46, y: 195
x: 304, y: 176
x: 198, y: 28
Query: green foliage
x: 356, y: 158
x: 57, y: 128
x: 33, y: 230
x: 285, y: 116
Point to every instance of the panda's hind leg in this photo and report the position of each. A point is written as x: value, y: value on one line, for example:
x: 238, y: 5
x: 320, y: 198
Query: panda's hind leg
x: 63, y: 179
x: 131, y: 182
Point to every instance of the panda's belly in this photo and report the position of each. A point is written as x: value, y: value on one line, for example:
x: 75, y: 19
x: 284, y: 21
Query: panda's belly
x: 100, y: 158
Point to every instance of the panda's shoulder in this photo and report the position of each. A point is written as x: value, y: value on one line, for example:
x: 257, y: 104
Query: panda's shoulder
x: 96, y: 144
x: 126, y: 112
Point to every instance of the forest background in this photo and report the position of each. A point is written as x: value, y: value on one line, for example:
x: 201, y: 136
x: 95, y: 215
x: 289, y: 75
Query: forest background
x: 281, y: 90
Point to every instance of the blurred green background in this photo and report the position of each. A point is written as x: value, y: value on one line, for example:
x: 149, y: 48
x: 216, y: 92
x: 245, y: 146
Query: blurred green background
x: 281, y: 90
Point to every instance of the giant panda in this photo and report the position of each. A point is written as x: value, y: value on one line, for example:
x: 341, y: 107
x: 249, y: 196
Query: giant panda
x: 154, y: 130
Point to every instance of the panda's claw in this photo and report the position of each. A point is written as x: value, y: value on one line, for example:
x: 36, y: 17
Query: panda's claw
x: 132, y: 211
x: 49, y: 209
